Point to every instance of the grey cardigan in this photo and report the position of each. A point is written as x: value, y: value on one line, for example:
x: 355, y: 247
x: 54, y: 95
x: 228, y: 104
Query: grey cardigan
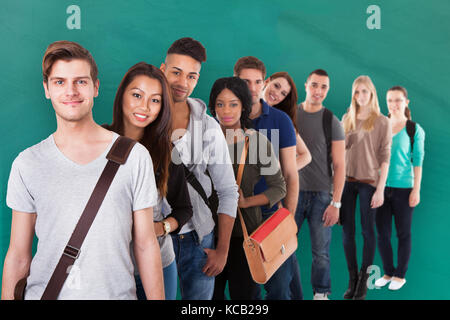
x: 203, y: 147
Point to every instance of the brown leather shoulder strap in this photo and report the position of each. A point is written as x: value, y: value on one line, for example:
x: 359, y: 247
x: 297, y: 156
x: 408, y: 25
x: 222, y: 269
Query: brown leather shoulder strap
x: 120, y: 150
x: 238, y: 182
x: 117, y: 155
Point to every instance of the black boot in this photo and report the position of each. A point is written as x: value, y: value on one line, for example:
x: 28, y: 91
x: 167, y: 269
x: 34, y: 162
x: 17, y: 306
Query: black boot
x: 361, y: 287
x: 351, y: 285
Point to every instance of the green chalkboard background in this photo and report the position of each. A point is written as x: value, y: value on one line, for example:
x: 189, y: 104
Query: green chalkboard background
x: 411, y: 49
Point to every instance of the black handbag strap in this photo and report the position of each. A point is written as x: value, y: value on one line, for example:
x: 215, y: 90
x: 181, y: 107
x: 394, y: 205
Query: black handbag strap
x: 117, y: 156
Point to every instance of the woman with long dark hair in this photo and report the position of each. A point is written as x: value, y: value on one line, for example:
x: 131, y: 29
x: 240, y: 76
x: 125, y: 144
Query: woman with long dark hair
x: 142, y: 111
x: 402, y: 192
x: 230, y: 102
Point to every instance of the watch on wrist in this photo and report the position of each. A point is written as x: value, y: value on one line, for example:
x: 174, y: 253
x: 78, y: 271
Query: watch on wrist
x: 337, y: 205
x: 166, y: 227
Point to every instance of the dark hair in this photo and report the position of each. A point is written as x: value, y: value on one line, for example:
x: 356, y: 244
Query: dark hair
x: 405, y: 94
x: 240, y: 90
x: 67, y: 51
x: 319, y: 72
x: 249, y: 62
x: 289, y: 103
x: 188, y: 47
x: 157, y: 135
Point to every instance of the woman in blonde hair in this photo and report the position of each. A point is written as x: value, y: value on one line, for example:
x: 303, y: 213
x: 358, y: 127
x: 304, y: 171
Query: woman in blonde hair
x: 368, y: 139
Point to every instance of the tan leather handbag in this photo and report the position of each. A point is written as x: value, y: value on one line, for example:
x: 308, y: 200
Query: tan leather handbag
x: 268, y: 247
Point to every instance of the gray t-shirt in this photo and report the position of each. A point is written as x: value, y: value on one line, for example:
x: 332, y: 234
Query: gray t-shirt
x: 314, y: 176
x: 44, y: 181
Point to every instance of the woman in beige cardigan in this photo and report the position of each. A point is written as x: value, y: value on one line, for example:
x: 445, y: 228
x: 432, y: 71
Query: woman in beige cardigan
x: 368, y: 145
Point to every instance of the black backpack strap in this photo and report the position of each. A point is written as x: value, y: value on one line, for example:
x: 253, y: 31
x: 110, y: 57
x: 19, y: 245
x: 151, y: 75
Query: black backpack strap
x: 411, y: 130
x: 192, y: 179
x: 327, y: 119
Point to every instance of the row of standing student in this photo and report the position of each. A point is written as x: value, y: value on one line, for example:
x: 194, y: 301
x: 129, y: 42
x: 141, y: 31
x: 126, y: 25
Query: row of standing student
x: 151, y: 104
x: 232, y: 105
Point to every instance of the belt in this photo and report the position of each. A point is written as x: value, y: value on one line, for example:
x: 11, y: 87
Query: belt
x: 350, y: 179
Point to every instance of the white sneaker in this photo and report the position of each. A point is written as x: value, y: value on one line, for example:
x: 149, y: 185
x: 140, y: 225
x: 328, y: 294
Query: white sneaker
x: 320, y: 296
x: 382, y: 282
x: 396, y: 285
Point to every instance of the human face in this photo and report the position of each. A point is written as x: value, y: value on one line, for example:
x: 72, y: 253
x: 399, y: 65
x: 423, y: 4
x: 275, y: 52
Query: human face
x: 255, y: 81
x: 396, y: 103
x: 71, y: 90
x: 182, y: 73
x: 316, y: 88
x: 141, y: 102
x: 362, y: 95
x: 228, y: 109
x: 276, y: 90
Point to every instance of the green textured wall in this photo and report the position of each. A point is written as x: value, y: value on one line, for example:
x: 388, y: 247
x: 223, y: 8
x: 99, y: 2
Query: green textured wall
x: 410, y: 49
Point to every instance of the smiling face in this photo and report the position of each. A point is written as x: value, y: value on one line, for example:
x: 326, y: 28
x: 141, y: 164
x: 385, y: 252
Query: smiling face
x: 71, y: 90
x: 276, y: 90
x: 396, y: 102
x: 141, y: 102
x: 182, y: 73
x: 316, y: 88
x: 228, y: 109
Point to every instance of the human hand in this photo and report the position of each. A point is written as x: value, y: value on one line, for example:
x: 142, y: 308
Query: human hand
x: 159, y: 228
x: 215, y: 263
x: 377, y: 199
x: 414, y: 198
x: 242, y: 202
x: 330, y: 216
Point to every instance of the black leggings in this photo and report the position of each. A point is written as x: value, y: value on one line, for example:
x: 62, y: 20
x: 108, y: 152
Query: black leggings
x: 396, y: 204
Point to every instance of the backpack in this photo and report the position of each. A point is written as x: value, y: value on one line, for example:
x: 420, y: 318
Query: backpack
x: 327, y: 120
x: 213, y: 201
x: 411, y: 130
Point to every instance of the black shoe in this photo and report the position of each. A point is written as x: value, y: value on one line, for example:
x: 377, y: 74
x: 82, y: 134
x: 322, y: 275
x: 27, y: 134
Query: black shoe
x: 351, y: 286
x: 361, y: 287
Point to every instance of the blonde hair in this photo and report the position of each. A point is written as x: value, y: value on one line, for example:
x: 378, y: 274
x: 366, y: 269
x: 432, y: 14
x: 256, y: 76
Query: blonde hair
x: 349, y: 119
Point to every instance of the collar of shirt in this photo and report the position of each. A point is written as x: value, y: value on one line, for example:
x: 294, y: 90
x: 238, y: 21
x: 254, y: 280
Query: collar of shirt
x: 265, y: 108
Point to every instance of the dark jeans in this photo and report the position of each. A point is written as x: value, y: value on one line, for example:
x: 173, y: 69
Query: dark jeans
x: 396, y: 204
x: 349, y: 196
x: 311, y: 206
x: 191, y: 257
x: 296, y: 284
x: 279, y: 285
x: 236, y: 272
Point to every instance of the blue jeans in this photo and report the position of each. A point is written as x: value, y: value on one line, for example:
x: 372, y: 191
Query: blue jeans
x: 396, y: 204
x: 311, y: 206
x: 191, y: 258
x: 277, y: 288
x: 170, y: 283
x: 349, y: 195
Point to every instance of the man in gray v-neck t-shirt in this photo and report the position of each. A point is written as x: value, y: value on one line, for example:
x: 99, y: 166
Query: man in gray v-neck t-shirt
x: 51, y: 182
